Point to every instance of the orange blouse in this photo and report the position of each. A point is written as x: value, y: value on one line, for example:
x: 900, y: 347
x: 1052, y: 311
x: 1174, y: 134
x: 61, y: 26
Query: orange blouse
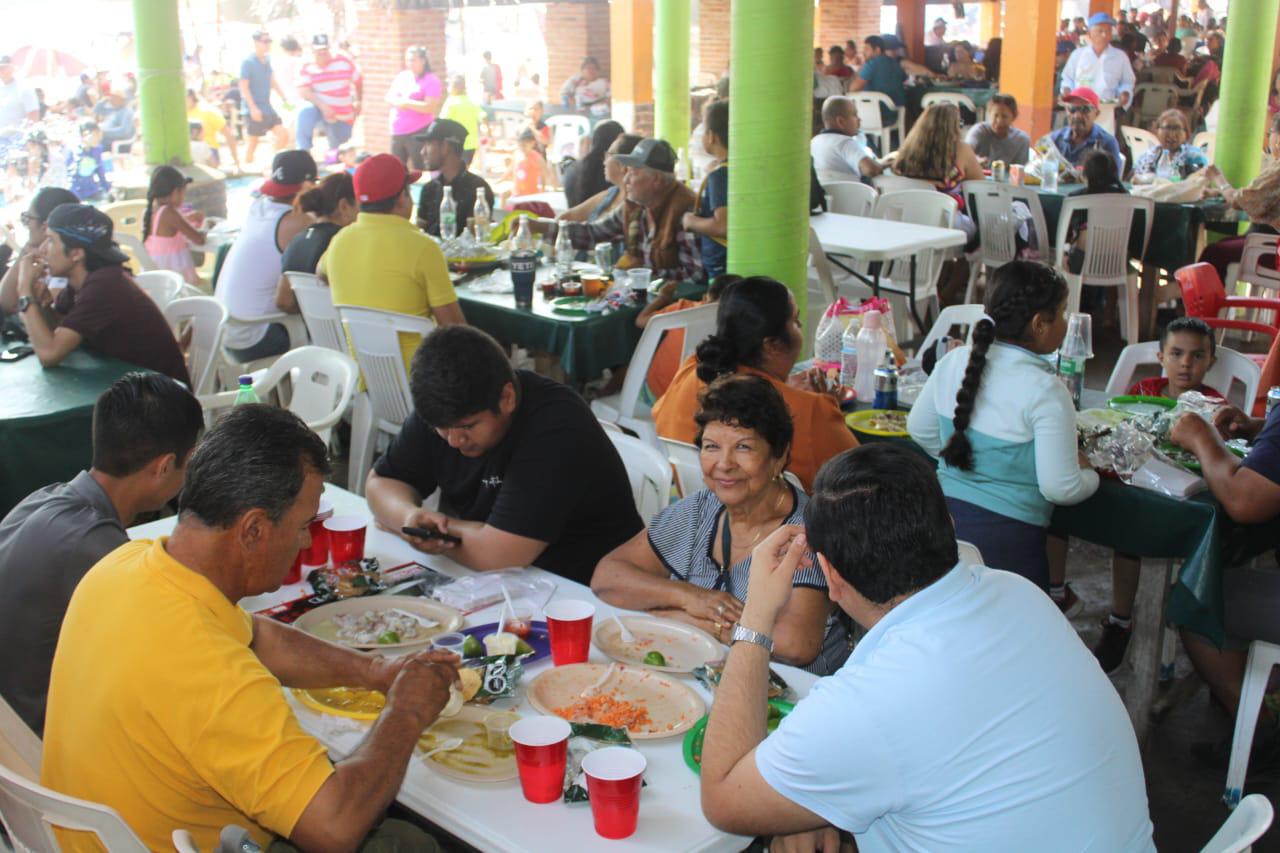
x: 820, y: 430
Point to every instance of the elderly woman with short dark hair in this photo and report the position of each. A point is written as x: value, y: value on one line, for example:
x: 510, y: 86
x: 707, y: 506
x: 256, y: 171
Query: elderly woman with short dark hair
x: 694, y: 561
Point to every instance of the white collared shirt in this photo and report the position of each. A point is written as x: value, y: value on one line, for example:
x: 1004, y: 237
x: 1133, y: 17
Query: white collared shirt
x: 1110, y: 74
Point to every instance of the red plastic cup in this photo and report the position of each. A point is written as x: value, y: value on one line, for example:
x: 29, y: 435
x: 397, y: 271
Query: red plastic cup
x: 295, y: 571
x: 318, y: 553
x: 346, y: 537
x: 614, y: 776
x: 569, y: 627
x: 542, y: 747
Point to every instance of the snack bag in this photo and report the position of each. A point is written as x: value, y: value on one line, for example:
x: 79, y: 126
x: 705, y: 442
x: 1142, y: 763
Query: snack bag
x: 709, y: 676
x: 585, y: 738
x: 350, y: 580
x: 498, y: 677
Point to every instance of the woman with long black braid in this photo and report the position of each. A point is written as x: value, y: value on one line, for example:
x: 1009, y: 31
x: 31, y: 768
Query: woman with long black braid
x: 1003, y: 425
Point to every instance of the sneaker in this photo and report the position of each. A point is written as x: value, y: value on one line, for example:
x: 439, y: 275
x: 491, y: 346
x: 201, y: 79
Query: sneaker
x: 1111, y: 648
x: 1070, y: 603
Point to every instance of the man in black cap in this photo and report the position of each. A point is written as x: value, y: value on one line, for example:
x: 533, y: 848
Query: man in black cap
x: 101, y: 307
x: 651, y: 222
x: 442, y: 150
x: 33, y: 219
x: 257, y: 81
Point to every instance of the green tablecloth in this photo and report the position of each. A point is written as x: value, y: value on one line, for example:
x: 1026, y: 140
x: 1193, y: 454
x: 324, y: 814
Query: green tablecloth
x: 46, y: 419
x: 585, y: 345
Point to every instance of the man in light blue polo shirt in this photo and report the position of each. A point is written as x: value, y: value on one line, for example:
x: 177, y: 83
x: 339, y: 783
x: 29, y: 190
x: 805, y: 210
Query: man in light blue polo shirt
x: 945, y: 729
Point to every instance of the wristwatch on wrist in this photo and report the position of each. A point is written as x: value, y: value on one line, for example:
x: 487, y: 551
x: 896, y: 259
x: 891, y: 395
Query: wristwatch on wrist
x: 746, y: 635
x: 24, y: 302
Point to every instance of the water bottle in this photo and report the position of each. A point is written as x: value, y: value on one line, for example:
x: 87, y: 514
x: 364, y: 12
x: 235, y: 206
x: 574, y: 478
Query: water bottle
x: 1049, y: 170
x: 849, y: 356
x: 564, y: 251
x: 1071, y: 372
x: 871, y: 345
x: 448, y: 216
x: 480, y: 213
x: 246, y: 394
x: 1165, y: 168
x: 524, y: 237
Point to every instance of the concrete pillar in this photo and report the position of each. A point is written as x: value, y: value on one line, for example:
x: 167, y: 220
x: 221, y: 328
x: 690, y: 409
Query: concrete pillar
x: 990, y: 24
x: 1242, y: 116
x: 769, y: 117
x: 671, y: 78
x: 631, y: 45
x: 1026, y: 63
x: 912, y: 27
x: 161, y: 90
x: 383, y: 34
x: 1111, y: 7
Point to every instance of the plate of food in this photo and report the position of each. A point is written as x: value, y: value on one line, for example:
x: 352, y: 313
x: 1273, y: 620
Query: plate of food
x: 883, y: 422
x: 693, y: 738
x: 477, y: 759
x: 383, y: 622
x: 661, y: 644
x: 528, y: 640
x: 1137, y: 404
x: 360, y: 703
x: 647, y: 704
x: 1186, y: 458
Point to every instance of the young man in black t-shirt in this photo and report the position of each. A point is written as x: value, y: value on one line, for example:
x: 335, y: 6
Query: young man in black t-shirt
x: 442, y: 150
x: 526, y: 473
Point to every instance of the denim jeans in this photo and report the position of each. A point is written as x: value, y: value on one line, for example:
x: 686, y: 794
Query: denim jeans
x: 337, y: 132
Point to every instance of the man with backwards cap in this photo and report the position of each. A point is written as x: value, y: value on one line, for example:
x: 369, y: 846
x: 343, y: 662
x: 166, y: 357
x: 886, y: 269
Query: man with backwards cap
x: 382, y: 261
x: 1100, y: 67
x: 101, y: 306
x: 442, y: 150
x: 1081, y: 135
x: 333, y: 85
x: 33, y: 219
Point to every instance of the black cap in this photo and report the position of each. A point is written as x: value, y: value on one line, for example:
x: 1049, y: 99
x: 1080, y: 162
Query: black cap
x: 261, y: 35
x: 83, y: 226
x: 47, y: 199
x: 289, y: 171
x: 446, y: 129
x: 320, y: 40
x: 650, y: 154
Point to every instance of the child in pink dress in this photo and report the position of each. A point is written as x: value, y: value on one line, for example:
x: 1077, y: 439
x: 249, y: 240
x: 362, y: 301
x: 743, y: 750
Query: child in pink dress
x: 166, y: 233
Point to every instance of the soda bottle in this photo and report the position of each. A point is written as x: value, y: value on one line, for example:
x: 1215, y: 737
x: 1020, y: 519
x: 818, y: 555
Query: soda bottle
x: 480, y: 213
x: 448, y: 216
x: 1049, y: 170
x: 849, y: 356
x: 246, y: 394
x: 564, y: 250
x: 524, y: 237
x: 871, y: 344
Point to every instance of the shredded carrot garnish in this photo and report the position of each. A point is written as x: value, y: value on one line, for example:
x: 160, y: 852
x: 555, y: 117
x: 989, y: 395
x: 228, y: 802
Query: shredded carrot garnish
x: 608, y: 710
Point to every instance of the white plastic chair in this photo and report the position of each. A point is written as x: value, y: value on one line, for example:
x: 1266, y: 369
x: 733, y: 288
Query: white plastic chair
x: 385, y: 404
x: 1150, y: 100
x: 321, y: 385
x: 20, y: 747
x: 1243, y: 826
x: 1262, y: 657
x: 686, y: 462
x: 231, y: 367
x: 126, y: 217
x: 920, y: 207
x: 969, y: 553
x: 30, y: 812
x: 952, y: 315
x: 648, y: 470
x: 868, y: 106
x: 626, y: 408
x: 204, y: 316
x: 1231, y: 367
x: 888, y: 183
x: 134, y: 247
x: 850, y: 197
x: 1140, y: 141
x: 163, y: 286
x: 566, y: 131
x: 1106, y: 251
x: 990, y: 206
x: 1204, y: 140
x: 183, y: 842
x: 1256, y: 275
x: 961, y: 101
x: 822, y: 268
x: 315, y: 301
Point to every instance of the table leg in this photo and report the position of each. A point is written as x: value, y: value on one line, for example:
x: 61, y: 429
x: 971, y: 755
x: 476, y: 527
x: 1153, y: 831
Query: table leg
x: 1148, y: 301
x: 915, y: 311
x: 1147, y: 642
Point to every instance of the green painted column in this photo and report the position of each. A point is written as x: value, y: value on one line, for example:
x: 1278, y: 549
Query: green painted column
x: 671, y: 71
x: 162, y: 94
x: 770, y: 97
x: 1246, y: 78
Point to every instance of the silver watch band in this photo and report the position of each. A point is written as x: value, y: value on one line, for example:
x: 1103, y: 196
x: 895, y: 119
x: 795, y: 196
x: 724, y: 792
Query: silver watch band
x: 747, y: 635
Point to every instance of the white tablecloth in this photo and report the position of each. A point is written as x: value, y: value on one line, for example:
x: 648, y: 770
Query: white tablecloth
x: 496, y: 816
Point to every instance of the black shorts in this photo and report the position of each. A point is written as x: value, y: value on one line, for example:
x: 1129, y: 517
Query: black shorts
x: 261, y: 128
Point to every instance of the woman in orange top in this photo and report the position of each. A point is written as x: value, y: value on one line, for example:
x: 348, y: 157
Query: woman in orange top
x: 758, y: 332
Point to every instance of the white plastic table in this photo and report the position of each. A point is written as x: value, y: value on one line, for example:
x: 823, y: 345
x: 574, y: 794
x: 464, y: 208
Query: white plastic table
x: 496, y: 816
x: 875, y: 241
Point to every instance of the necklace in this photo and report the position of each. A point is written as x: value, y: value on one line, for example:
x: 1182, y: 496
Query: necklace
x: 761, y: 528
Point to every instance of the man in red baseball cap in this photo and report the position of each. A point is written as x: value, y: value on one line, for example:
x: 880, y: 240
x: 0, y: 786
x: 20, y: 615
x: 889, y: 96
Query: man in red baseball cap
x: 1080, y: 136
x: 382, y: 260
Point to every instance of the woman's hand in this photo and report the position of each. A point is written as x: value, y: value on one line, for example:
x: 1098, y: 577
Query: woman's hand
x: 715, y: 606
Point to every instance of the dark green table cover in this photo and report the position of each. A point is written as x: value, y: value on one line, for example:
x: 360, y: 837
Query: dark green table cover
x: 46, y: 418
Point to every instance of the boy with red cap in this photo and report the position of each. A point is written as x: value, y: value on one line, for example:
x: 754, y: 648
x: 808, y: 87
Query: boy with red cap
x: 382, y: 260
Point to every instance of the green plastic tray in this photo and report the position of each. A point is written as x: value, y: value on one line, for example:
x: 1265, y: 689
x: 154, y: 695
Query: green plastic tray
x: 693, y: 737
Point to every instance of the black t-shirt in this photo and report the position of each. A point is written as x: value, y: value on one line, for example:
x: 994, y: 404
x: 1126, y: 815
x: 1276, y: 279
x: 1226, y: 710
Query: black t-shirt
x: 304, y: 250
x: 465, y: 185
x: 554, y: 477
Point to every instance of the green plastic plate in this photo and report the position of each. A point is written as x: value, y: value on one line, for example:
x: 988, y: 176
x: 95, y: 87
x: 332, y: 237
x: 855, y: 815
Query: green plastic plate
x: 693, y: 738
x: 1136, y: 404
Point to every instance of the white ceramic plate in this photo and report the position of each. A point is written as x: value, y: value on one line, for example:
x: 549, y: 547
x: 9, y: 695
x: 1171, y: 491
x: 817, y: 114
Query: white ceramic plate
x: 319, y: 622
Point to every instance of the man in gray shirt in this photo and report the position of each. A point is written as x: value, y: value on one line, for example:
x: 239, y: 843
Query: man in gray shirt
x: 997, y: 138
x: 144, y: 428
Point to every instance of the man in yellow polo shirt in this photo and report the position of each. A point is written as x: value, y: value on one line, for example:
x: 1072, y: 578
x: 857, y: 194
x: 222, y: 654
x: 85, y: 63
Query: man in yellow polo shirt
x: 165, y: 701
x: 382, y: 260
x: 213, y: 123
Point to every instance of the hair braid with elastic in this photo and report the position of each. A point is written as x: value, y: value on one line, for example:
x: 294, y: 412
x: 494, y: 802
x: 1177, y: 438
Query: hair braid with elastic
x: 146, y: 219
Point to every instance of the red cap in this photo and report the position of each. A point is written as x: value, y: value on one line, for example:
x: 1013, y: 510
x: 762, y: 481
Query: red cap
x: 1082, y: 95
x: 381, y: 177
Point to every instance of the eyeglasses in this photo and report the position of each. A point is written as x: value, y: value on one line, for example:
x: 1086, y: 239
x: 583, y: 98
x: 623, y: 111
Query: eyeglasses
x: 1079, y: 110
x: 1171, y: 127
x: 28, y: 220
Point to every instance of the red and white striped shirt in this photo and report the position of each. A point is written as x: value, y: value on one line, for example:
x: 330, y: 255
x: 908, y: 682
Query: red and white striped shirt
x: 332, y: 84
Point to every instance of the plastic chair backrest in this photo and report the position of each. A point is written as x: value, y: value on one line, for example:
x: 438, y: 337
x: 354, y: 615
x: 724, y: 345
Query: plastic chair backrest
x: 649, y: 473
x: 697, y: 323
x: 183, y: 842
x: 1231, y: 367
x: 321, y: 383
x: 868, y: 106
x: 1110, y: 218
x: 126, y: 217
x: 952, y: 315
x: 991, y: 206
x: 851, y: 197
x: 315, y: 301
x: 949, y: 98
x: 897, y: 183
x: 917, y: 206
x: 684, y: 458
x: 162, y: 286
x: 566, y: 130
x: 1205, y: 141
x: 1140, y: 141
x: 204, y: 316
x: 822, y: 267
x: 30, y: 811
x: 376, y: 341
x: 133, y: 247
x: 20, y: 748
x: 1245, y: 825
x: 1202, y: 292
x: 1154, y: 98
x: 1256, y: 248
x: 1270, y: 377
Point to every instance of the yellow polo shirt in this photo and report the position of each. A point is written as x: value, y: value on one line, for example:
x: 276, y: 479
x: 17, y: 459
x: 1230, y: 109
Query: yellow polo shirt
x: 159, y: 708
x: 383, y: 261
x: 210, y: 119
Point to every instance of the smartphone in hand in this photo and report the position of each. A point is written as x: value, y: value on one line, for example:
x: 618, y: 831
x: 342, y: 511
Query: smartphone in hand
x: 424, y: 533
